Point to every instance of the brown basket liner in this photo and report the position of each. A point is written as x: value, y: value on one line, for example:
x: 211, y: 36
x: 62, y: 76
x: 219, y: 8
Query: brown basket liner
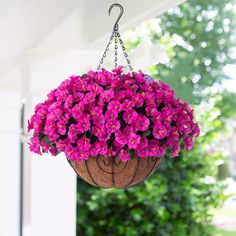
x: 111, y: 172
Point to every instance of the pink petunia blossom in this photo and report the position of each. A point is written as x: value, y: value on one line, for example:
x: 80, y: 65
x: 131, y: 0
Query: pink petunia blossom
x: 133, y: 140
x: 138, y: 100
x: 112, y: 125
x: 121, y: 136
x: 114, y: 105
x: 73, y: 133
x: 143, y: 143
x: 124, y: 155
x: 130, y: 116
x: 143, y: 153
x: 61, y: 127
x: 111, y: 115
x: 141, y: 123
x: 127, y: 104
x: 78, y: 110
x: 61, y: 145
x: 83, y: 124
x: 188, y: 143
x: 96, y: 148
x: 107, y: 95
x: 159, y: 131
x: 151, y: 110
x: 175, y: 149
x: 34, y: 145
x: 83, y: 144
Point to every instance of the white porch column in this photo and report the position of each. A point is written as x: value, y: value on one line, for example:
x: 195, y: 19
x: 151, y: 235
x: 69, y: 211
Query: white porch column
x: 53, y: 182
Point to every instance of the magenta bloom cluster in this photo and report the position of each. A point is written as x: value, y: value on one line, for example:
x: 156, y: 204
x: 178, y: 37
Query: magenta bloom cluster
x: 112, y: 114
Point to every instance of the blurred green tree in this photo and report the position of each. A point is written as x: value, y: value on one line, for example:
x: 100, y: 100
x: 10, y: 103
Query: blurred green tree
x: 178, y: 199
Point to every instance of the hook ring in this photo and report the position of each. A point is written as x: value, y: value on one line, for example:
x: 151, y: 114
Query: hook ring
x: 116, y: 26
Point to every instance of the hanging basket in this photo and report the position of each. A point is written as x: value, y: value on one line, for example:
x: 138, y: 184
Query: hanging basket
x: 113, y: 127
x: 111, y: 172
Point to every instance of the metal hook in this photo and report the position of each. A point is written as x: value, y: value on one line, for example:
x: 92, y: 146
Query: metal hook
x: 116, y: 26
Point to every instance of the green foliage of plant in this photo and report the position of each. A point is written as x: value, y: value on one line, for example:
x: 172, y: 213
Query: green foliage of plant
x: 179, y: 198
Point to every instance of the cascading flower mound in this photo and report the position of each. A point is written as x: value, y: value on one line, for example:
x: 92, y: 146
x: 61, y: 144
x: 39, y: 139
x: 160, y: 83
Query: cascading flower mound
x: 112, y: 114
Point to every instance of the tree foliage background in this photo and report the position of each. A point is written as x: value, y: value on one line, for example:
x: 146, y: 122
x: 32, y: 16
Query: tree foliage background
x: 178, y: 199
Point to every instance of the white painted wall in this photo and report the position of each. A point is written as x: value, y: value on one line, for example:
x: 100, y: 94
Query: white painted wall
x: 9, y: 163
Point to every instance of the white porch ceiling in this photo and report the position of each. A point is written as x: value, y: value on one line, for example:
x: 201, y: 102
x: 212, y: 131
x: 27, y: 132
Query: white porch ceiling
x: 40, y: 24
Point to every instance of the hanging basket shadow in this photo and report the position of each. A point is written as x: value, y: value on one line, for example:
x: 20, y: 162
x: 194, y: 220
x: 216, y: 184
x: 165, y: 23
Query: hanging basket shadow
x: 111, y: 172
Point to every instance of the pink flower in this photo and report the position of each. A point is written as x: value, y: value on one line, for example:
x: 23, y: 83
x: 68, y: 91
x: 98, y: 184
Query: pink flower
x: 133, y: 140
x: 173, y: 136
x: 156, y: 117
x: 83, y: 124
x: 112, y: 126
x: 110, y: 153
x: 153, y: 148
x: 72, y: 133
x: 151, y: 110
x: 127, y: 104
x: 111, y: 115
x: 124, y: 155
x: 95, y: 89
x: 130, y: 116
x: 175, y: 149
x: 166, y: 114
x: 143, y: 143
x: 184, y: 128
x: 53, y: 151
x: 159, y: 131
x: 141, y: 123
x: 188, y: 143
x: 104, y: 150
x: 70, y: 152
x: 50, y: 127
x: 114, y: 105
x: 196, y: 130
x: 61, y: 127
x: 96, y: 148
x: 45, y: 146
x: 69, y: 101
x: 80, y: 155
x: 83, y: 144
x: 80, y: 84
x: 107, y: 95
x: 89, y: 98
x: 101, y: 79
x: 117, y: 145
x: 98, y: 120
x: 34, y: 145
x: 138, y: 100
x: 99, y: 132
x: 121, y: 136
x: 61, y: 145
x: 30, y: 125
x: 96, y: 111
x: 143, y: 153
x: 78, y: 110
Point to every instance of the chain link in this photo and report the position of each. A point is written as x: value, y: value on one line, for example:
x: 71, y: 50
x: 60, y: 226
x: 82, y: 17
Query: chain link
x: 116, y: 35
x: 105, y: 52
x: 125, y: 53
x: 116, y: 49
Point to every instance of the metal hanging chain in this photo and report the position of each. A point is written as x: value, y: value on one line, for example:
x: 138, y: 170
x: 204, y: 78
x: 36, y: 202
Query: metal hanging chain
x: 116, y: 36
x: 125, y: 53
x: 105, y: 52
x: 116, y: 49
